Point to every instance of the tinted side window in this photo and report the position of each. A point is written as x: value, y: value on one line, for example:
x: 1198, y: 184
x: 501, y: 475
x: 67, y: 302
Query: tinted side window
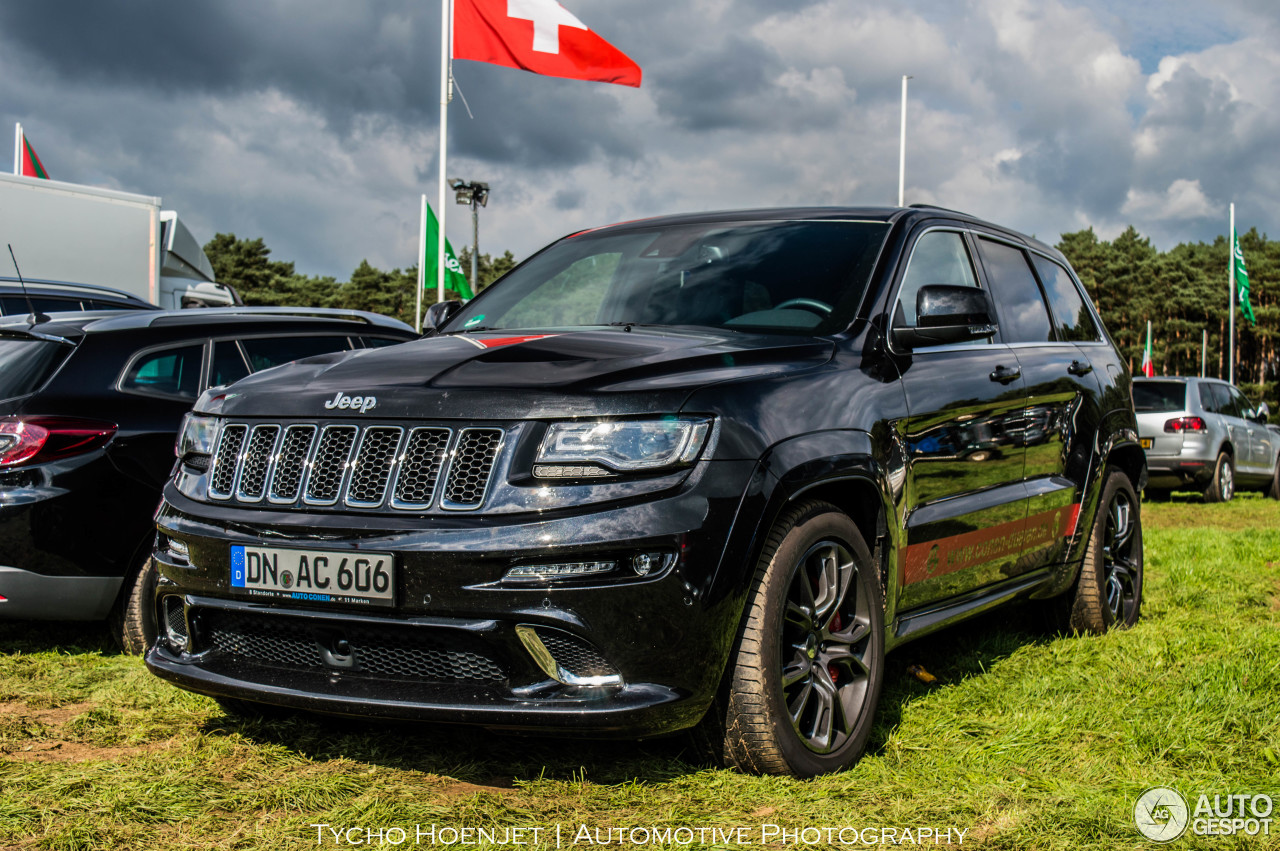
x: 1071, y: 316
x: 939, y: 257
x: 1023, y: 316
x: 26, y: 364
x: 1221, y: 400
x: 1240, y: 405
x: 266, y: 352
x: 16, y: 305
x: 172, y: 372
x: 1207, y: 400
x: 380, y: 342
x: 228, y: 365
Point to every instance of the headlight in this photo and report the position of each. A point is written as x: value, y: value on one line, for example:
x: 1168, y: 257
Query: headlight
x: 625, y: 446
x: 198, y: 436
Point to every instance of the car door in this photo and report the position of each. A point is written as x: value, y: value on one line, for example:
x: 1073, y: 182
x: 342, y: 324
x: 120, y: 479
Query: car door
x: 1259, y: 442
x: 965, y: 501
x: 1231, y: 414
x: 1063, y: 406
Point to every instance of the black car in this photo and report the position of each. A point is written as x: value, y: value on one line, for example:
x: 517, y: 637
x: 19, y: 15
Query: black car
x: 22, y: 298
x: 90, y: 406
x: 691, y: 472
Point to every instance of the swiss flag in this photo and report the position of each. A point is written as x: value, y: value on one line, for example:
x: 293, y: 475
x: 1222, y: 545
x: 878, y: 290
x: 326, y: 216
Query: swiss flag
x: 539, y: 36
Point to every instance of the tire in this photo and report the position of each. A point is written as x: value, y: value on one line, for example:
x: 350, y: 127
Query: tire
x: 1222, y: 486
x: 1274, y: 491
x: 133, y: 620
x: 1108, y: 594
x: 805, y: 674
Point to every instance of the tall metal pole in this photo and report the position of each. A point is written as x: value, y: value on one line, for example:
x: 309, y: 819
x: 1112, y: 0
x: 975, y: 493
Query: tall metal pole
x: 902, y: 147
x: 17, y: 148
x: 1231, y: 298
x: 1204, y: 350
x: 446, y: 85
x: 475, y: 244
x: 422, y: 263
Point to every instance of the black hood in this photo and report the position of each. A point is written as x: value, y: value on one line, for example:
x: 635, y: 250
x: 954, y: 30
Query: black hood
x: 499, y: 375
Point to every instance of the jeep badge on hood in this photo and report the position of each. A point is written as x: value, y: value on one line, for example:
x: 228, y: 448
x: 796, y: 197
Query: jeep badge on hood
x: 351, y: 403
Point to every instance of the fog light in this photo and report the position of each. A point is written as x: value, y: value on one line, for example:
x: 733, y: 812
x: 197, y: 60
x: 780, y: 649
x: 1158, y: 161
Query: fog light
x: 642, y: 564
x: 559, y: 569
x: 177, y: 547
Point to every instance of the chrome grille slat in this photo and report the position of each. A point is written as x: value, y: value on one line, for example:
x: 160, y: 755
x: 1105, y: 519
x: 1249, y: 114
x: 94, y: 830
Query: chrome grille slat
x: 421, y: 463
x: 327, y: 472
x: 227, y: 461
x: 251, y: 484
x: 355, y: 466
x: 291, y: 462
x: 371, y: 471
x: 471, y: 468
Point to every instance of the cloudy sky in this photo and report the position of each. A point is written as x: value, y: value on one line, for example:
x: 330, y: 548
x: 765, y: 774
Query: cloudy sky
x: 314, y: 123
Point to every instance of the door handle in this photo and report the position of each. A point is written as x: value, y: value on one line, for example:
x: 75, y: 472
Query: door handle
x: 1005, y: 374
x: 1080, y: 367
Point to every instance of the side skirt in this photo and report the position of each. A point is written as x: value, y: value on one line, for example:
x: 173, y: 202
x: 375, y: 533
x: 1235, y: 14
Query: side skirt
x: 920, y: 622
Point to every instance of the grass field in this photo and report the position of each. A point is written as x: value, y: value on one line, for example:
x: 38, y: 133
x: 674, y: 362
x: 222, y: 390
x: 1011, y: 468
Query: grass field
x: 1026, y: 741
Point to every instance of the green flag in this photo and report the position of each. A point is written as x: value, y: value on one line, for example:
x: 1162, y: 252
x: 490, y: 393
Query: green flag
x: 1242, y: 280
x: 454, y: 278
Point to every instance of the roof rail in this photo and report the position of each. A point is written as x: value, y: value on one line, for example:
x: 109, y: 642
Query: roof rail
x: 148, y: 318
x: 71, y: 285
x: 365, y: 316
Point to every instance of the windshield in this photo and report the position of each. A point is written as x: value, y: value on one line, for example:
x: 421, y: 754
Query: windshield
x: 26, y: 363
x: 799, y: 277
x: 1159, y: 396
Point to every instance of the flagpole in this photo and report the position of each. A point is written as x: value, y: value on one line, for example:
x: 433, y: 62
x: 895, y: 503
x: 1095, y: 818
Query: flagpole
x: 422, y: 262
x: 902, y: 147
x: 17, y: 147
x: 446, y: 14
x: 1231, y: 299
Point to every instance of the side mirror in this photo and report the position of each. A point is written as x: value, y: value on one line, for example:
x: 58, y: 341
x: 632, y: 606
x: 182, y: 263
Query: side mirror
x: 438, y: 314
x: 1261, y: 414
x: 947, y: 314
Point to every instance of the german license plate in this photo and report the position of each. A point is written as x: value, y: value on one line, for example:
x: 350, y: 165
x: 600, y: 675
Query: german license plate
x: 1145, y: 441
x: 314, y: 576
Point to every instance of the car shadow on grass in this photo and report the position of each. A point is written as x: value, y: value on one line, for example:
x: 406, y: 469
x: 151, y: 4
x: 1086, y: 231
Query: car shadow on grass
x: 66, y: 637
x: 490, y: 759
x: 953, y: 654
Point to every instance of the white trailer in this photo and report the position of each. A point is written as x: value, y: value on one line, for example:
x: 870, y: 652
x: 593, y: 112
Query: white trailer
x: 86, y: 235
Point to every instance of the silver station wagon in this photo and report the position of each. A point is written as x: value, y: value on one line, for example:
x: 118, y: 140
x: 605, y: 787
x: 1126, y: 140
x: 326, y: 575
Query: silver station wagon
x: 1203, y: 434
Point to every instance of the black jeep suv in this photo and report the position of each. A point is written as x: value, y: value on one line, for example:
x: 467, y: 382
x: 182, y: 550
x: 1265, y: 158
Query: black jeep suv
x: 691, y: 472
x: 90, y: 408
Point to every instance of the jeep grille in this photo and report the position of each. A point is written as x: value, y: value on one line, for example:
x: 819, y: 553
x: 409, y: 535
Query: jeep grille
x: 355, y: 466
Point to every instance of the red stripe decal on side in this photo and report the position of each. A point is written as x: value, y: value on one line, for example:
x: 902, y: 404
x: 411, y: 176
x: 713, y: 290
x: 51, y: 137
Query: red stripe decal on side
x: 939, y: 557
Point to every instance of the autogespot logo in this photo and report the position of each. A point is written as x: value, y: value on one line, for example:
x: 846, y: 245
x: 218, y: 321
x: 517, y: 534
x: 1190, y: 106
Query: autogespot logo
x: 1161, y: 814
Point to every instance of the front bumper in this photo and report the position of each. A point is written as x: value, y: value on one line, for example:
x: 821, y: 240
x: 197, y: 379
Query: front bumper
x: 645, y: 652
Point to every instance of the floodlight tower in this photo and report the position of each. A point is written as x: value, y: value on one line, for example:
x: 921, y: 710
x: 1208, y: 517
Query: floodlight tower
x: 475, y: 194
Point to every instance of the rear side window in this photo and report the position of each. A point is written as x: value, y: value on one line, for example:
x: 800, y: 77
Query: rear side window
x: 16, y: 305
x: 168, y: 372
x: 1160, y: 396
x: 1222, y: 403
x: 266, y: 352
x: 25, y: 365
x: 228, y: 365
x: 1071, y: 316
x: 1023, y: 316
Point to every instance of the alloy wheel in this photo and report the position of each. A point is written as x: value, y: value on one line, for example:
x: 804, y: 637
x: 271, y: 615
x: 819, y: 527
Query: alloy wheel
x: 826, y: 646
x: 1121, y: 571
x: 1227, y: 481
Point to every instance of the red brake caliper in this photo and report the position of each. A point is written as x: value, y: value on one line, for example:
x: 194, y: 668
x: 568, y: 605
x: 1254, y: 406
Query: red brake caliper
x: 834, y: 626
